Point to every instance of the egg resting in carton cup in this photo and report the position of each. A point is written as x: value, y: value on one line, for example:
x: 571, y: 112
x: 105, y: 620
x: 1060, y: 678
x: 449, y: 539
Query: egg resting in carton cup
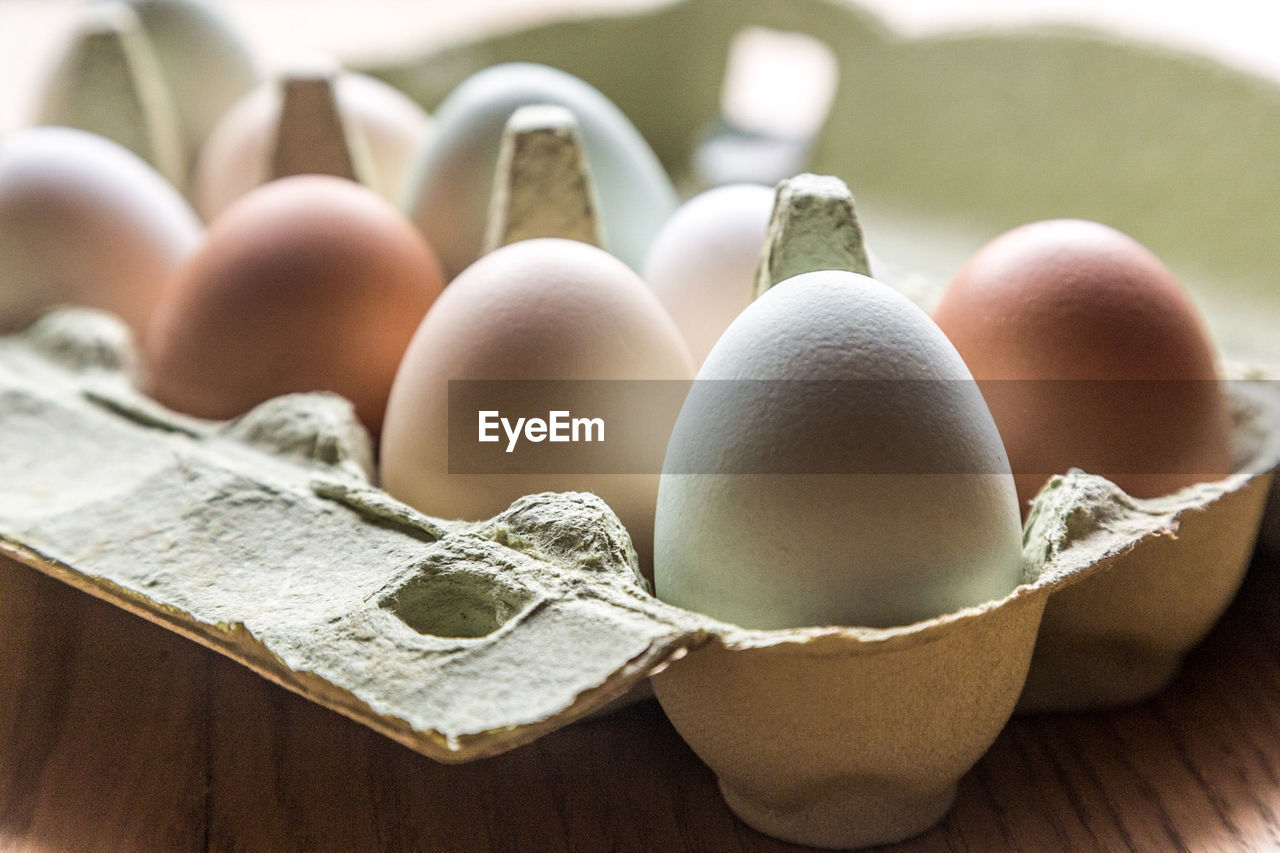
x: 853, y: 736
x: 841, y: 736
x: 1159, y: 572
x: 544, y: 307
x: 758, y: 705
x: 933, y: 648
x: 1092, y: 355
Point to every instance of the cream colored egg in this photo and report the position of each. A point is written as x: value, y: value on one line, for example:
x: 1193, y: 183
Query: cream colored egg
x: 835, y: 464
x: 702, y: 264
x: 383, y: 126
x: 544, y: 309
x: 83, y: 221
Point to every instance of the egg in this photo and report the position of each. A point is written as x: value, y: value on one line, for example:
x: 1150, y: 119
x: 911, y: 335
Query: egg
x: 450, y: 184
x: 834, y: 464
x: 549, y: 309
x: 107, y: 80
x: 702, y: 264
x: 84, y: 221
x: 373, y: 124
x: 1093, y: 356
x: 309, y: 283
x: 205, y: 63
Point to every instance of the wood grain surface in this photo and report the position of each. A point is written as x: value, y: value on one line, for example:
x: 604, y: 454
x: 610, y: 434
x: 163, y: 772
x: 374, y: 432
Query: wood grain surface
x: 118, y: 735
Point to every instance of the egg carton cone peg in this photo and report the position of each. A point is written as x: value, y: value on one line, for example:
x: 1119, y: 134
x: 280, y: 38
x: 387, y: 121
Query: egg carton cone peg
x: 294, y: 124
x: 813, y: 227
x: 311, y: 137
x: 108, y: 81
x: 542, y: 186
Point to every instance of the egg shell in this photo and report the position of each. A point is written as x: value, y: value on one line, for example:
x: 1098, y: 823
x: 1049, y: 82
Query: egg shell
x: 702, y: 264
x: 84, y: 221
x: 205, y: 64
x: 450, y: 184
x: 1079, y: 301
x: 389, y: 127
x: 917, y: 540
x: 308, y: 283
x: 537, y: 309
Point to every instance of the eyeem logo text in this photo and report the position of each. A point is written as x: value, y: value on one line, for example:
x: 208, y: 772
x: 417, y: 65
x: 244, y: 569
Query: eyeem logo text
x: 559, y: 426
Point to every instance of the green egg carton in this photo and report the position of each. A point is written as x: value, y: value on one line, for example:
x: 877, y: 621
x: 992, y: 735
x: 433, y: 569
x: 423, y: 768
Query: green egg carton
x: 267, y: 540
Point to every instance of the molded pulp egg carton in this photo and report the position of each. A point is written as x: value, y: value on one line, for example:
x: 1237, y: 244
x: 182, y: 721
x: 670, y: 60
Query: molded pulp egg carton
x: 266, y: 539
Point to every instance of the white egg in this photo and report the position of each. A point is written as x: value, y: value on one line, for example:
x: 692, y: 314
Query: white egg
x: 390, y: 129
x: 702, y: 264
x: 451, y: 183
x: 84, y: 221
x: 820, y: 497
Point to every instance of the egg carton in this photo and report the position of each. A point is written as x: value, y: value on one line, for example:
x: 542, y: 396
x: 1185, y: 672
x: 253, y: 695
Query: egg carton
x: 267, y: 540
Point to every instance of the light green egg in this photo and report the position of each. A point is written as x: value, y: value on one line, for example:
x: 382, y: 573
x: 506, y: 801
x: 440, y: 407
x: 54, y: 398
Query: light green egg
x: 449, y: 188
x: 835, y: 464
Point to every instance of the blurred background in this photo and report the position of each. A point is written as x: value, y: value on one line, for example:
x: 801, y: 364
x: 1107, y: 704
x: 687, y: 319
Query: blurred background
x: 946, y: 142
x: 1238, y: 32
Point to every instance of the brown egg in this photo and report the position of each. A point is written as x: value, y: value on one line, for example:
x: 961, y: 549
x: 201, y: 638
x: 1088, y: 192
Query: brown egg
x: 308, y: 283
x: 1091, y: 355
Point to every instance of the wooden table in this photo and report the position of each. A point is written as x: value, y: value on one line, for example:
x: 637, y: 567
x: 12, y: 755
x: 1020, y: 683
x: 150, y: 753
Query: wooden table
x: 118, y: 735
